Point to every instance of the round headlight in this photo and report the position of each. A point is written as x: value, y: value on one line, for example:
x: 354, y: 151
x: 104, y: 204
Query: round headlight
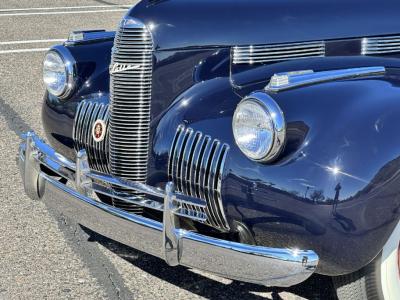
x: 259, y: 127
x: 58, y: 74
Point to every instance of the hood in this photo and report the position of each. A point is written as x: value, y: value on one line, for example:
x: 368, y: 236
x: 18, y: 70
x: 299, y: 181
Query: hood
x: 219, y: 23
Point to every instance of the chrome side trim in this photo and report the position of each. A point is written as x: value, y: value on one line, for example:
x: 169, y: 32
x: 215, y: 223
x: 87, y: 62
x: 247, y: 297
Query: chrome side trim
x: 196, y: 164
x: 177, y: 246
x: 276, y: 52
x: 290, y: 80
x: 380, y: 45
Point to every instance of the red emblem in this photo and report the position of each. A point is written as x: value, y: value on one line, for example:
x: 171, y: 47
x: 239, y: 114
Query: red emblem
x: 99, y: 130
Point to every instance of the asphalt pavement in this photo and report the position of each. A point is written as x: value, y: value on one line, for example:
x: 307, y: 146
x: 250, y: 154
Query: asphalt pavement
x: 43, y: 255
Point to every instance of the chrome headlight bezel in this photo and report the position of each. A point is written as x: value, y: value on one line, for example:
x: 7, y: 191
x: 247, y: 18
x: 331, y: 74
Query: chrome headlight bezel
x: 70, y: 72
x: 276, y: 119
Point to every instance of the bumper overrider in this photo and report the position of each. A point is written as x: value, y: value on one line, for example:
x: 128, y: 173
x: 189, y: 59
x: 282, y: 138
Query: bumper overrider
x: 70, y: 188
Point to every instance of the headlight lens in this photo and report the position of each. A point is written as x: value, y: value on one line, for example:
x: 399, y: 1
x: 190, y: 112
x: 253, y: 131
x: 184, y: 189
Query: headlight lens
x: 55, y: 74
x: 259, y: 127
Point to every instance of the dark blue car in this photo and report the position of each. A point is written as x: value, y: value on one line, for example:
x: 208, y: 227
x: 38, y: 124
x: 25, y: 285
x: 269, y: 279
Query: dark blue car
x: 256, y: 140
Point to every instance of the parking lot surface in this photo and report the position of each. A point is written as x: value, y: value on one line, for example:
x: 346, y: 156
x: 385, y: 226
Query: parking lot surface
x: 43, y: 255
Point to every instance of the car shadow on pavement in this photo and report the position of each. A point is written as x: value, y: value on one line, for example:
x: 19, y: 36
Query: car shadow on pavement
x: 13, y: 120
x: 316, y: 287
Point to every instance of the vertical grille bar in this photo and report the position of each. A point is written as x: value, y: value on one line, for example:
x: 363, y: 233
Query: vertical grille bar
x: 196, y: 164
x: 131, y: 79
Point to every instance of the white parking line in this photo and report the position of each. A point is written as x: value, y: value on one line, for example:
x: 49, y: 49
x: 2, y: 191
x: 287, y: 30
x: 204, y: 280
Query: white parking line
x: 23, y: 50
x: 62, y: 7
x: 31, y: 42
x: 62, y: 12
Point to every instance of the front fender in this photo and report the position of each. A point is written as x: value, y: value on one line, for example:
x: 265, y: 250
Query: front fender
x: 336, y: 187
x: 93, y: 83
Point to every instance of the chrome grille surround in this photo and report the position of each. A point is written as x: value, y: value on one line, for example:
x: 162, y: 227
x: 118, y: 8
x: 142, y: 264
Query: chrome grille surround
x: 130, y: 100
x: 86, y: 114
x: 253, y: 54
x: 196, y: 164
x: 380, y: 45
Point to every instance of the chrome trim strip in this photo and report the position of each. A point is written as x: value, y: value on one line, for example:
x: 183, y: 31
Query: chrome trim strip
x: 276, y: 52
x: 290, y: 80
x: 195, y: 166
x: 177, y: 246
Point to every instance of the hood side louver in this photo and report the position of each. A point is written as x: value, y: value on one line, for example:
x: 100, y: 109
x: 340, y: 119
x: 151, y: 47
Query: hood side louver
x: 277, y: 52
x: 380, y: 45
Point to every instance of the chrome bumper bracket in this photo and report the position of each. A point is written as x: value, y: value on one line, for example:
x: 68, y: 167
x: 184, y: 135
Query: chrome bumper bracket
x: 82, y: 169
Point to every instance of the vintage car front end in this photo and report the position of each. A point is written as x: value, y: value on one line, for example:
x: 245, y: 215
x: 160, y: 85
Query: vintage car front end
x: 209, y: 148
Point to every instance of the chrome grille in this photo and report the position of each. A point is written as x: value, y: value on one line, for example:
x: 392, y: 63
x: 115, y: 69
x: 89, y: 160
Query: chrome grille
x: 87, y: 113
x: 130, y: 93
x: 196, y: 164
x: 277, y: 52
x: 380, y: 45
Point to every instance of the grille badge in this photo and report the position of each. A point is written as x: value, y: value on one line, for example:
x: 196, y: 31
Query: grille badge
x: 99, y: 130
x: 117, y: 68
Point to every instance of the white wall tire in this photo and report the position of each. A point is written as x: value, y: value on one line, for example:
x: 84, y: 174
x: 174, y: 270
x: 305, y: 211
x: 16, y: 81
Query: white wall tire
x: 390, y: 278
x: 379, y: 280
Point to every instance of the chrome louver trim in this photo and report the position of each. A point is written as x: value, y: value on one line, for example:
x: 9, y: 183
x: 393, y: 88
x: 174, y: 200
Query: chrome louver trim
x: 86, y: 114
x: 196, y: 164
x: 276, y: 52
x: 380, y: 45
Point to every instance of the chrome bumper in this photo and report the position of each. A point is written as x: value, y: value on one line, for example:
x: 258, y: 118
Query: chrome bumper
x: 255, y: 264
